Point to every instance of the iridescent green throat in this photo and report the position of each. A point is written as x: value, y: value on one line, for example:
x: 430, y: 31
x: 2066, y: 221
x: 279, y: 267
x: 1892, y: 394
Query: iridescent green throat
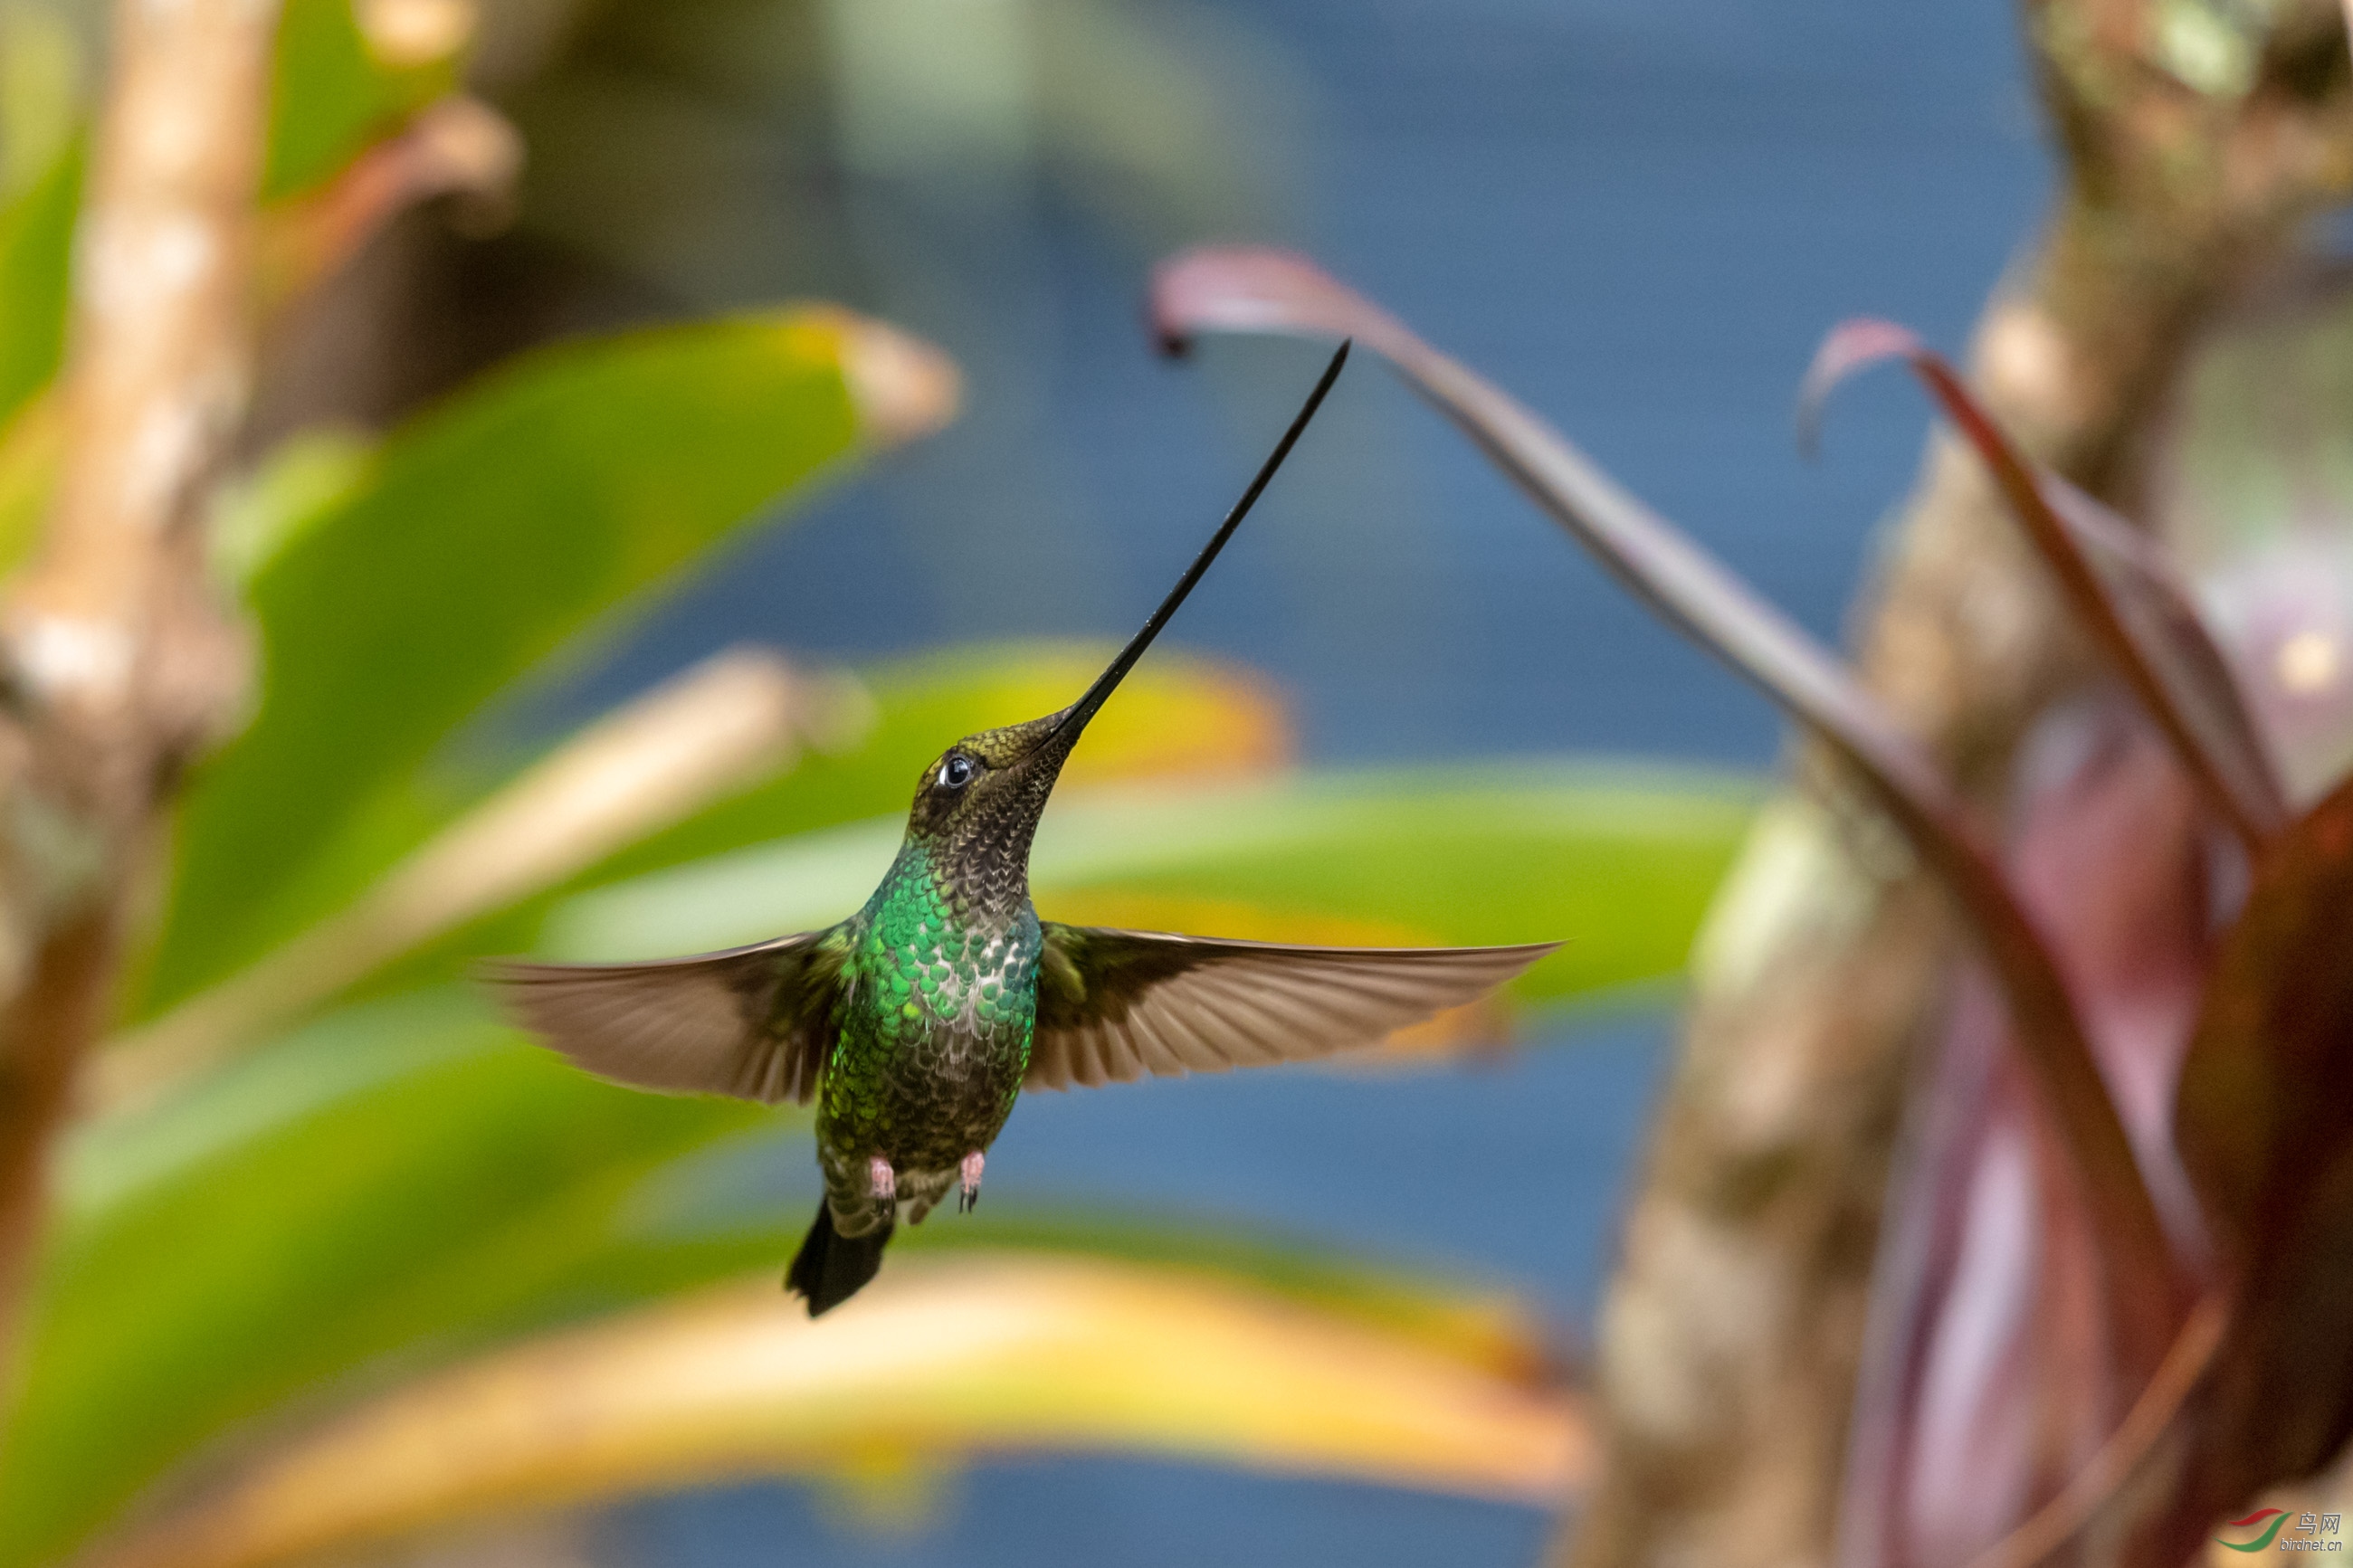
x: 935, y: 1033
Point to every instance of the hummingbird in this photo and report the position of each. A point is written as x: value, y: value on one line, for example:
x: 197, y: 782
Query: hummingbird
x: 917, y: 1022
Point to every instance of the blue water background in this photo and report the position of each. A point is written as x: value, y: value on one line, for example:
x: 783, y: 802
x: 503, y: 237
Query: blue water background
x: 1639, y: 216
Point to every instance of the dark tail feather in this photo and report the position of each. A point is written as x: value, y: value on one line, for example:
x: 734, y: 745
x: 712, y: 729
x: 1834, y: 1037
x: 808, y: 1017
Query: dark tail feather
x: 831, y: 1268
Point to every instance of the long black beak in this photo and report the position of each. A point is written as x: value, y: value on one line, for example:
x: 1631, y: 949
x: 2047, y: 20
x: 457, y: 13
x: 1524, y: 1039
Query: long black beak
x: 1075, y: 717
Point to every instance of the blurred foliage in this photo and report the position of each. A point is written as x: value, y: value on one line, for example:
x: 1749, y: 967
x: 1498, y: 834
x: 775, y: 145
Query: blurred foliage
x: 369, y: 1193
x: 331, y: 98
x: 1623, y: 861
x: 727, y: 125
x: 1176, y: 719
x: 404, y: 1179
x: 487, y: 533
x: 2159, y: 990
x: 943, y: 1358
x: 41, y: 69
x: 36, y: 237
x: 334, y: 93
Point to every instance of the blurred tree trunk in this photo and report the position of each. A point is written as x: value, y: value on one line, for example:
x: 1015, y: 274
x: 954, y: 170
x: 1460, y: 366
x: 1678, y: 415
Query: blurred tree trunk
x: 116, y: 661
x: 1731, y: 1332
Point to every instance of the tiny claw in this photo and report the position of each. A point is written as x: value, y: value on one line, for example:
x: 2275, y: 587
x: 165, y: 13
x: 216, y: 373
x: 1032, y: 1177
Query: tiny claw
x: 883, y: 1182
x: 968, y: 1196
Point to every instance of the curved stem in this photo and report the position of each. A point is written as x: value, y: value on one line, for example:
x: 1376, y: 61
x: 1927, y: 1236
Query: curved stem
x: 2057, y: 1522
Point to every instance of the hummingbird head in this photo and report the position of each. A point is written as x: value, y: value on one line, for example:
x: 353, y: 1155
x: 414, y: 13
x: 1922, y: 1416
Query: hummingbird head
x: 981, y: 800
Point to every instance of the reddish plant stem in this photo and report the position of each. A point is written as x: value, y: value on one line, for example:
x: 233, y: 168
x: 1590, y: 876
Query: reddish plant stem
x: 1729, y: 1342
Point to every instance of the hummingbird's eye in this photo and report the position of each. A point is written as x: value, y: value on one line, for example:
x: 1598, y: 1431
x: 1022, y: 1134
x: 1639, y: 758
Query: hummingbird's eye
x: 956, y: 772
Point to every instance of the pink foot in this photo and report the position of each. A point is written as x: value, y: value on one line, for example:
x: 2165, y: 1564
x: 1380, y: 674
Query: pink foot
x: 884, y: 1181
x: 968, y: 1199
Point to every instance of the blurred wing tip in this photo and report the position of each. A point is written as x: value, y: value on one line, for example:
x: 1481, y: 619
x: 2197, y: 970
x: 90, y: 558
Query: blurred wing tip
x: 1527, y: 952
x: 514, y: 987
x: 502, y: 978
x: 513, y: 976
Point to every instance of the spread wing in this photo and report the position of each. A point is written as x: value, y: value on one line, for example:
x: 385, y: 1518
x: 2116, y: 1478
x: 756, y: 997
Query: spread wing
x: 752, y: 1022
x: 1116, y: 1005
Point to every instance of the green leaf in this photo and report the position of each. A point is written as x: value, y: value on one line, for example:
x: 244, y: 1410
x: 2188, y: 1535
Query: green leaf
x: 392, y: 1179
x: 35, y: 257
x: 301, y: 481
x: 938, y: 1359
x: 406, y: 1181
x: 331, y: 96
x: 707, y: 739
x: 488, y: 533
x: 1176, y: 718
x: 331, y: 99
x: 402, y: 1183
x: 1620, y: 861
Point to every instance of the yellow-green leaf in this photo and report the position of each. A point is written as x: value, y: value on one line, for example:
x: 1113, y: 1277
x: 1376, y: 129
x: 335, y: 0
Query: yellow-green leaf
x: 1004, y: 1352
x: 485, y: 534
x: 1618, y: 861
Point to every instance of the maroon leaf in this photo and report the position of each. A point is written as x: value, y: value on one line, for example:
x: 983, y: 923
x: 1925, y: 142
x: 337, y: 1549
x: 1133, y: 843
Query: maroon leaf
x: 2116, y: 578
x: 1984, y: 1370
x: 2265, y: 1127
x: 1249, y: 289
x: 1984, y: 1390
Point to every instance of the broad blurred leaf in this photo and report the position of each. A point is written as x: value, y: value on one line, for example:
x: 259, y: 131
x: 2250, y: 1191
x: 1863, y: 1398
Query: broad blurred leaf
x: 1252, y: 290
x: 405, y: 1178
x: 43, y: 61
x: 332, y: 94
x: 36, y: 251
x: 331, y: 97
x: 32, y: 445
x: 488, y: 533
x: 389, y: 1179
x: 711, y: 732
x: 303, y: 481
x: 1012, y: 1351
x: 1985, y: 1388
x: 2265, y: 1122
x: 381, y: 1191
x: 1176, y: 719
x: 1619, y: 862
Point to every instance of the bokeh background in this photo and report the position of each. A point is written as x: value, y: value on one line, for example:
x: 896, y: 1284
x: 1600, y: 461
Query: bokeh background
x: 1640, y: 217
